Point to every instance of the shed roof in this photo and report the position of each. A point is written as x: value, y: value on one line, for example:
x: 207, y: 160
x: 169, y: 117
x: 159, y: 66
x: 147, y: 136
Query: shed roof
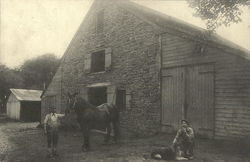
x: 26, y: 94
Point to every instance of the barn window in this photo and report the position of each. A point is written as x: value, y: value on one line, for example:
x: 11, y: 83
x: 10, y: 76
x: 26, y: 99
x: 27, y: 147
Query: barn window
x: 97, y: 95
x: 98, y: 61
x: 121, y: 99
x: 99, y: 21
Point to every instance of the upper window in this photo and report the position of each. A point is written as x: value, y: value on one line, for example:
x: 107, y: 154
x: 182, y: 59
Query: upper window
x: 98, y: 61
x: 100, y: 21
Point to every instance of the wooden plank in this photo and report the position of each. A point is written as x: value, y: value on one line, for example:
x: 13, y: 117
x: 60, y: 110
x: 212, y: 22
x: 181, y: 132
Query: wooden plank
x: 225, y: 122
x: 241, y: 95
x: 232, y: 100
x: 232, y: 124
x: 233, y: 131
x: 232, y: 90
x: 236, y: 116
x: 233, y: 66
x: 221, y: 107
x: 226, y: 135
x: 235, y: 76
x: 229, y: 134
x: 230, y: 119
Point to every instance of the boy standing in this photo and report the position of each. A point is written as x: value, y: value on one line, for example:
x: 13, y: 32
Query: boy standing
x: 51, y: 128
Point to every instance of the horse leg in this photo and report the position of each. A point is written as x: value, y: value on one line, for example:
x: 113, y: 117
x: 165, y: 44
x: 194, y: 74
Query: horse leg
x: 116, y: 128
x: 86, y: 145
x: 108, y: 133
x: 86, y: 137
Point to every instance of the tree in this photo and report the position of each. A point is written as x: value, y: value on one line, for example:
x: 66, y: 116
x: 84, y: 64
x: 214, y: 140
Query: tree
x: 218, y: 12
x: 9, y: 78
x: 39, y: 71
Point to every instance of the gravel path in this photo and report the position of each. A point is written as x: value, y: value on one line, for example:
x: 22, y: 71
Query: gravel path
x: 23, y: 142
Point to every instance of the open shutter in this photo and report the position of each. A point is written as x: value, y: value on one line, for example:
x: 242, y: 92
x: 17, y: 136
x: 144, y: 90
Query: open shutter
x: 108, y: 53
x: 87, y: 63
x: 128, y: 99
x: 84, y: 93
x: 111, y: 94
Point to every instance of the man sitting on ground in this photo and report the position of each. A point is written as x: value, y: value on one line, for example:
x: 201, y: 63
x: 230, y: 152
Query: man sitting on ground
x: 184, y: 141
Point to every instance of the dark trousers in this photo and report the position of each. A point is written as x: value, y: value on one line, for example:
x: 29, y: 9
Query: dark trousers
x: 188, y: 147
x: 52, y: 138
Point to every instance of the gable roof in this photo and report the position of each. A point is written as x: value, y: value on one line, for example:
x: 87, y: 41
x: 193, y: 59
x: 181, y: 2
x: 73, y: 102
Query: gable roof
x: 163, y: 23
x: 27, y: 95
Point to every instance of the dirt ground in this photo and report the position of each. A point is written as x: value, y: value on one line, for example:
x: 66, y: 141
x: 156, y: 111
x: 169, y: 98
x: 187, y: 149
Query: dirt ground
x: 23, y: 142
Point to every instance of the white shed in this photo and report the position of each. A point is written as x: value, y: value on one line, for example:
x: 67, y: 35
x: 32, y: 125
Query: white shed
x: 24, y: 105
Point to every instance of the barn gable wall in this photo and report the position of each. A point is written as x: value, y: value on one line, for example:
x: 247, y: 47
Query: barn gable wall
x: 138, y: 53
x: 231, y: 82
x: 134, y: 64
x: 53, y: 90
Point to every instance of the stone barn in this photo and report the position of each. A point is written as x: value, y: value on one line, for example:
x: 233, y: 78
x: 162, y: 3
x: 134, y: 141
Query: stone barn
x: 158, y: 70
x: 24, y: 105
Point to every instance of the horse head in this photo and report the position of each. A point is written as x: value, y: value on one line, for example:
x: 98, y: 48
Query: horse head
x: 72, y: 98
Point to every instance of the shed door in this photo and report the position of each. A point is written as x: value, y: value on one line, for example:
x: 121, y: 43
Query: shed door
x: 188, y: 92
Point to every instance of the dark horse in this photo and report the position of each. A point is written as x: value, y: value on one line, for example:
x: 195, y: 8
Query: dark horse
x: 90, y: 117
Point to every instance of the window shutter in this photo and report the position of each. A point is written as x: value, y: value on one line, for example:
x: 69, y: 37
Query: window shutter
x: 111, y: 94
x: 87, y: 63
x: 128, y: 99
x: 84, y: 93
x: 108, y: 55
x: 100, y: 21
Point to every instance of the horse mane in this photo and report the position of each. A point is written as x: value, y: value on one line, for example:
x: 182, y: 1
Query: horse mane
x: 82, y: 103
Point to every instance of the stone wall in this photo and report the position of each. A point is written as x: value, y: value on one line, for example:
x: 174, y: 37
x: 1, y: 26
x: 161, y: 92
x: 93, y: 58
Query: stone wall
x: 135, y: 51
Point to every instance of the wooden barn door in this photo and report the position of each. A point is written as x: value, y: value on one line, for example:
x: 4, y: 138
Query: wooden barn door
x: 200, y: 98
x: 172, y: 96
x: 188, y: 93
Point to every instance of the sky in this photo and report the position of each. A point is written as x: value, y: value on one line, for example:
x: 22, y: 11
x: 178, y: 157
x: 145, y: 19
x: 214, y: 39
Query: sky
x: 30, y: 28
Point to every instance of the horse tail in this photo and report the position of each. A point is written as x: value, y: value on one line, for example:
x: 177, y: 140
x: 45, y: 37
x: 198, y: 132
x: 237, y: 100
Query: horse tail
x: 115, y: 119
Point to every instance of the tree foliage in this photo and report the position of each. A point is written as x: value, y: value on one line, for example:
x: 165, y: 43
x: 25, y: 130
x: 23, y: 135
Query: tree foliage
x: 33, y: 74
x: 218, y: 12
x: 39, y: 71
x: 9, y: 78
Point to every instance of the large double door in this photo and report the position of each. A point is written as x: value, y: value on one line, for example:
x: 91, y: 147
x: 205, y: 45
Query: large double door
x: 188, y: 93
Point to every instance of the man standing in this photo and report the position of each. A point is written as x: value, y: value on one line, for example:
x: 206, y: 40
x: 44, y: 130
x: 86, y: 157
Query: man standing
x: 51, y: 128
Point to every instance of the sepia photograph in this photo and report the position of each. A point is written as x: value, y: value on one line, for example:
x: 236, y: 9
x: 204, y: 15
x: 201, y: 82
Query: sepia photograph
x: 124, y: 80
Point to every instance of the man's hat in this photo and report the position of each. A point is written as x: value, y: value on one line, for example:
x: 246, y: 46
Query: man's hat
x: 52, y: 108
x: 184, y: 120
